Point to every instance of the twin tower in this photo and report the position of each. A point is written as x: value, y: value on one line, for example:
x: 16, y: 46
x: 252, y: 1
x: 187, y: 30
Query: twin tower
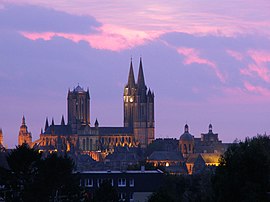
x: 138, y: 108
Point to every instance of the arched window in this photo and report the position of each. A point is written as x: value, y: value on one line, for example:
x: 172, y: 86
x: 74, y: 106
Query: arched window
x: 83, y: 144
x: 91, y: 144
x: 87, y: 144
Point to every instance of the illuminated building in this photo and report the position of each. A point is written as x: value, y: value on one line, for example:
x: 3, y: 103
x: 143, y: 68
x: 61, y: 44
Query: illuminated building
x: 24, y: 135
x: 79, y: 135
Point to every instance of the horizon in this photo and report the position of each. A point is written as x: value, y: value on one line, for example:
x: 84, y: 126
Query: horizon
x: 206, y: 63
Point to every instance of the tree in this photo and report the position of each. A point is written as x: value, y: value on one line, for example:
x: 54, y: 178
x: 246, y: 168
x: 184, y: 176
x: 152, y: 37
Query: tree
x: 55, y: 180
x: 245, y: 170
x: 105, y: 193
x: 33, y: 178
x: 23, y: 167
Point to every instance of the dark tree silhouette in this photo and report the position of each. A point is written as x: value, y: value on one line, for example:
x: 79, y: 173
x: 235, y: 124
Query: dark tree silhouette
x: 23, y: 168
x: 105, y: 193
x: 244, y: 173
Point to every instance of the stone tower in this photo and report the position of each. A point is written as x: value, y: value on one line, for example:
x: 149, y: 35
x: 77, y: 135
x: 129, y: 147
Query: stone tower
x: 1, y: 138
x: 186, y: 143
x: 78, y: 108
x: 24, y: 135
x: 139, y: 108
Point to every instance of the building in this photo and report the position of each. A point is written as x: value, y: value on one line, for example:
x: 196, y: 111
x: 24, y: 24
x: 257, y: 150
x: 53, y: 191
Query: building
x: 209, y: 143
x: 77, y: 135
x: 186, y: 142
x: 131, y: 185
x: 24, y: 135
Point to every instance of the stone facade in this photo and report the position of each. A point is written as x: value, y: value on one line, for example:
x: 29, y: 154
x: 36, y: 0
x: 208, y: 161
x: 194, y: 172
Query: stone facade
x: 24, y: 135
x: 79, y: 135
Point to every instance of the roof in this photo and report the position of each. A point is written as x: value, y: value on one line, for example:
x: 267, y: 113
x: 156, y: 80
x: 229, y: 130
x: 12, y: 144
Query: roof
x: 186, y: 137
x: 114, y: 130
x: 126, y: 171
x: 166, y: 155
x: 192, y: 158
x: 59, y: 130
x: 78, y: 89
x: 210, y: 157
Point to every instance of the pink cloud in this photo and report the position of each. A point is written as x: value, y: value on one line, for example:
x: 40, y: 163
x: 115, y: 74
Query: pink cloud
x: 236, y: 55
x: 108, y: 37
x: 260, y: 67
x: 257, y: 89
x: 192, y: 55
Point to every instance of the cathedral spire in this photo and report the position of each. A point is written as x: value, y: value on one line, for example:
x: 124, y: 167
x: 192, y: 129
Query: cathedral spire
x: 23, y: 120
x: 140, y: 82
x: 62, y: 120
x: 52, y: 122
x: 131, y: 79
x: 46, y: 124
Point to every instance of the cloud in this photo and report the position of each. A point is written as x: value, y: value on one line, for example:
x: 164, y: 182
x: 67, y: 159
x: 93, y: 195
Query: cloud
x: 235, y: 54
x: 259, y: 65
x: 107, y: 38
x: 39, y: 19
x: 193, y: 56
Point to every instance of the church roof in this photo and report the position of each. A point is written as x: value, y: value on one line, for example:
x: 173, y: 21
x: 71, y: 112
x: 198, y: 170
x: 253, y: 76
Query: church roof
x: 114, y: 130
x: 59, y: 130
x: 166, y: 155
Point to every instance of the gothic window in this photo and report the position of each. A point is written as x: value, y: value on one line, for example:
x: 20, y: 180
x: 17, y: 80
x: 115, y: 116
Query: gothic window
x: 84, y: 144
x: 91, y: 144
x: 189, y: 147
x: 87, y: 144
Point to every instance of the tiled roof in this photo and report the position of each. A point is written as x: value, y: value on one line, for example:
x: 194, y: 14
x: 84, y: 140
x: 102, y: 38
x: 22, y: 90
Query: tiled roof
x: 166, y: 155
x: 59, y: 130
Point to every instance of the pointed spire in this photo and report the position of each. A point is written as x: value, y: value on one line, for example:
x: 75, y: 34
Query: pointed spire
x: 131, y: 79
x: 52, y: 122
x: 140, y: 82
x: 62, y: 120
x: 96, y: 123
x: 46, y: 124
x: 23, y: 120
x: 41, y: 131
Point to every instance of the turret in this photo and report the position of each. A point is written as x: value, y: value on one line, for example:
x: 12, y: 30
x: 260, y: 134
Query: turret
x: 24, y: 135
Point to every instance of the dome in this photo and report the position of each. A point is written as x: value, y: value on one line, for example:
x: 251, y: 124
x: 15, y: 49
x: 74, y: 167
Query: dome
x: 186, y: 137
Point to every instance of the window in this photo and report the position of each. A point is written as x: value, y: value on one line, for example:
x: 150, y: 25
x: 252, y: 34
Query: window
x: 122, y: 196
x: 99, y: 182
x: 131, y: 199
x: 111, y: 181
x: 131, y: 182
x: 121, y: 182
x: 83, y: 144
x: 88, y: 182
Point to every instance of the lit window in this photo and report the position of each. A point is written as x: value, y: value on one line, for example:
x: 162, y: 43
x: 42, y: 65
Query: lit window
x: 131, y: 182
x: 88, y: 182
x: 121, y: 182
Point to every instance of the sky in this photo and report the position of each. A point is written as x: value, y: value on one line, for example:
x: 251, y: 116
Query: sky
x: 206, y: 61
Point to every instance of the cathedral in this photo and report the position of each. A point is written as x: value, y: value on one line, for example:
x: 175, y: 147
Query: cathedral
x: 79, y: 135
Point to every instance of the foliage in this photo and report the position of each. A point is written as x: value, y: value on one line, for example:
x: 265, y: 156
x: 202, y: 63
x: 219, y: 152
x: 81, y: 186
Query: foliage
x: 245, y: 169
x: 31, y: 178
x: 183, y: 188
x: 105, y: 193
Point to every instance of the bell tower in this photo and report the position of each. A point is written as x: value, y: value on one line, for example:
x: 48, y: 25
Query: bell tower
x: 78, y: 108
x: 24, y: 135
x: 139, y: 108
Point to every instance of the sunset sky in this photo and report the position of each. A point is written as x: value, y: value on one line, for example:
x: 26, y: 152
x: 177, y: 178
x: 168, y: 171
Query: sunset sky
x: 207, y: 62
